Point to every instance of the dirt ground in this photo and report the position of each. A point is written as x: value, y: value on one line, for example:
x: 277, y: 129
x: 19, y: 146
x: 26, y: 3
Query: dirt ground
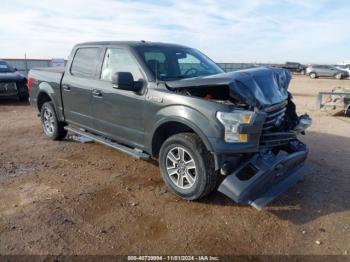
x: 73, y: 198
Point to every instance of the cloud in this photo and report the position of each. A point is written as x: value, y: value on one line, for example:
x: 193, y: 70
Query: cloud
x: 228, y: 31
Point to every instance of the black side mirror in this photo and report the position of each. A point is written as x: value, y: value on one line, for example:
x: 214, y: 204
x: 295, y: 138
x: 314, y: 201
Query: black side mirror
x: 15, y: 69
x: 125, y: 81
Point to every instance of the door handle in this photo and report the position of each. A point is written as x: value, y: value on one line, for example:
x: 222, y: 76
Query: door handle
x: 66, y: 87
x: 97, y: 93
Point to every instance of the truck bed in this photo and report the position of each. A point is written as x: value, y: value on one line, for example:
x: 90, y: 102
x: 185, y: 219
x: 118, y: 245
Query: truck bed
x: 51, y: 69
x: 48, y: 79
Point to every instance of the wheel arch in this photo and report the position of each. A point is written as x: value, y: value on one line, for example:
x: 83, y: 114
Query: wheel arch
x: 47, y: 93
x: 42, y: 98
x: 171, y: 127
x: 313, y: 72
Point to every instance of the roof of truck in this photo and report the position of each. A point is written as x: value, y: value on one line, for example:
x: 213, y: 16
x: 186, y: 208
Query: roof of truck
x: 131, y: 43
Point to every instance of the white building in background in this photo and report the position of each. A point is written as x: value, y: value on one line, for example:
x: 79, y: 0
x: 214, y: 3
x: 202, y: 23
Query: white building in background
x: 345, y: 62
x: 57, y: 62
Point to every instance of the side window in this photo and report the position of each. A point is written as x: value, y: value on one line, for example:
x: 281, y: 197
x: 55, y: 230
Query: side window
x: 84, y: 62
x: 119, y: 60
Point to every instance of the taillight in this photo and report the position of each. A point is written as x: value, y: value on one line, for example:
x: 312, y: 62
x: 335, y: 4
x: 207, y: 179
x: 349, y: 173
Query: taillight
x: 30, y: 82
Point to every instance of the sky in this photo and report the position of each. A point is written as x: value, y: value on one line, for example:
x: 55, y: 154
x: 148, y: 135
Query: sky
x: 268, y: 31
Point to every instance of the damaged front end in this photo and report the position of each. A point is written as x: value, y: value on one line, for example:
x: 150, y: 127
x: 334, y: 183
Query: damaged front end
x: 265, y: 175
x: 270, y: 158
x: 278, y: 163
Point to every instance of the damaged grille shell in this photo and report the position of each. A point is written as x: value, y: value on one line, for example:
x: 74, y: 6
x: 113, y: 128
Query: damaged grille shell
x: 275, y: 117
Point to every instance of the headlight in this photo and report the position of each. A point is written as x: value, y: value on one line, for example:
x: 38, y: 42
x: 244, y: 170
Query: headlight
x: 231, y: 122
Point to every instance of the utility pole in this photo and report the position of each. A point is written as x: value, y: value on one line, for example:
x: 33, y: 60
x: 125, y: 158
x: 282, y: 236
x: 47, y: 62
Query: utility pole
x: 25, y: 63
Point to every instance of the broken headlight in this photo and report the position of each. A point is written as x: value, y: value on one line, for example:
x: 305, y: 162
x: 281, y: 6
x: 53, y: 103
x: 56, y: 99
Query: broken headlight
x: 231, y: 121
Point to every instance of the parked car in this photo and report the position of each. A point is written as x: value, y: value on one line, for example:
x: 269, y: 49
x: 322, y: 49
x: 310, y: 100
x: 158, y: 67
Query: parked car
x: 173, y: 103
x: 295, y: 67
x: 315, y: 71
x: 344, y: 68
x: 12, y: 83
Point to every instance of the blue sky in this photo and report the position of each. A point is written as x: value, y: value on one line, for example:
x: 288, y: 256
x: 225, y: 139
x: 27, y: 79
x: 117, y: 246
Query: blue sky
x: 227, y: 31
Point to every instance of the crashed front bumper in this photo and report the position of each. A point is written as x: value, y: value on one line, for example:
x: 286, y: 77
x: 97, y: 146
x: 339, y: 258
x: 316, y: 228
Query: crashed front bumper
x: 8, y: 89
x: 265, y: 176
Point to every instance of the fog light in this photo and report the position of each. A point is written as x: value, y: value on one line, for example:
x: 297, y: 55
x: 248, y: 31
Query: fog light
x: 243, y: 137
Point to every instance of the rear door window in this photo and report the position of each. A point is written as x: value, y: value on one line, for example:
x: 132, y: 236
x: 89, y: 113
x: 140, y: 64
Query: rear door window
x: 85, y: 61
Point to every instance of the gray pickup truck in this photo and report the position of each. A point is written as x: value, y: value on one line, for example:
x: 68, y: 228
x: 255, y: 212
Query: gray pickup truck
x: 235, y: 132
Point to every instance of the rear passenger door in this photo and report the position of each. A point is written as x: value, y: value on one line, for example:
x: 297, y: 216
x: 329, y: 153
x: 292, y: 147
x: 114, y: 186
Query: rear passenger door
x: 328, y: 71
x: 78, y: 82
x: 119, y: 113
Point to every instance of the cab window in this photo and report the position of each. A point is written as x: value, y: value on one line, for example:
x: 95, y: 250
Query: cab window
x: 119, y: 60
x: 85, y: 61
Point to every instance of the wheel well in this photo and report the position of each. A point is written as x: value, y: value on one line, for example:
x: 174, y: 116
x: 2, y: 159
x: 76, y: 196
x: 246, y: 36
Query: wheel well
x: 165, y: 131
x: 42, y: 98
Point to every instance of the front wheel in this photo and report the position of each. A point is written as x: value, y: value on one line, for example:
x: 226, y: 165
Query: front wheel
x: 53, y: 128
x: 187, y: 167
x: 339, y: 76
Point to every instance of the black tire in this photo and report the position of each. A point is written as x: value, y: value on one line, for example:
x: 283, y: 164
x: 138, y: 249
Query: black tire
x: 23, y: 97
x: 313, y: 75
x: 53, y: 128
x: 347, y: 111
x: 339, y: 76
x: 205, y: 178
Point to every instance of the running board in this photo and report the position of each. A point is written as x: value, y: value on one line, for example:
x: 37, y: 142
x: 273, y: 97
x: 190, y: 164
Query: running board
x: 99, y: 139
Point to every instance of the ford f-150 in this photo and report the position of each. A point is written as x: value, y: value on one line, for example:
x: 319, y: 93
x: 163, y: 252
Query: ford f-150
x: 235, y: 132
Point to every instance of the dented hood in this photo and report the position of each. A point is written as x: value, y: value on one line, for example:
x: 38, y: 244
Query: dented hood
x: 11, y: 76
x: 257, y: 87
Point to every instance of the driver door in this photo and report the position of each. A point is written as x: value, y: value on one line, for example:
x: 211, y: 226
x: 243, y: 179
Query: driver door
x: 119, y: 113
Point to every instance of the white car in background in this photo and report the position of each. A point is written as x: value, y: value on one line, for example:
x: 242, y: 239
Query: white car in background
x: 344, y: 68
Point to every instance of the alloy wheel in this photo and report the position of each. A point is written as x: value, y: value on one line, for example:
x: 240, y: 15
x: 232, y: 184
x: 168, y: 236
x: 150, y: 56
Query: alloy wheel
x: 181, y: 167
x: 48, y: 121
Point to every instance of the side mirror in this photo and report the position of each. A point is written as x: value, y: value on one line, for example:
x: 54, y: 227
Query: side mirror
x: 125, y: 81
x: 15, y: 68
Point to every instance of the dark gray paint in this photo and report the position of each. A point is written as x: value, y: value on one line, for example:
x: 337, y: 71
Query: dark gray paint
x: 133, y: 118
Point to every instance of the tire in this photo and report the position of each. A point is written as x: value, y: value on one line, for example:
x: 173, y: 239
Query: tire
x: 338, y: 76
x: 313, y: 75
x: 347, y: 111
x: 53, y: 128
x: 188, y: 179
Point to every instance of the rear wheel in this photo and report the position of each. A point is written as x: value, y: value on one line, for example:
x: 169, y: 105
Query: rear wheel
x: 53, y: 128
x: 187, y: 167
x: 313, y: 75
x: 347, y: 111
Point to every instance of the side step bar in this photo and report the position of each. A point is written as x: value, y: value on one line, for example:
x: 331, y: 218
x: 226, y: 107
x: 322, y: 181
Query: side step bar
x: 99, y: 139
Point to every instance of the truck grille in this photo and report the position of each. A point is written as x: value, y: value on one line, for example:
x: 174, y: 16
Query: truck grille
x: 8, y: 88
x: 275, y: 114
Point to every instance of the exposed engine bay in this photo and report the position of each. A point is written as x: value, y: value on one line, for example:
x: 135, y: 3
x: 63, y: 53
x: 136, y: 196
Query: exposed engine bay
x: 286, y: 120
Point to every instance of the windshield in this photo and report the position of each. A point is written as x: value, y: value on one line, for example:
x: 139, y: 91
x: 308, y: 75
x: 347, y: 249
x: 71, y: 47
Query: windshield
x: 173, y: 63
x: 5, y: 68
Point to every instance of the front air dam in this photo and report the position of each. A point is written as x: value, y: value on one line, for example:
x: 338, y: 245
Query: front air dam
x: 265, y: 176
